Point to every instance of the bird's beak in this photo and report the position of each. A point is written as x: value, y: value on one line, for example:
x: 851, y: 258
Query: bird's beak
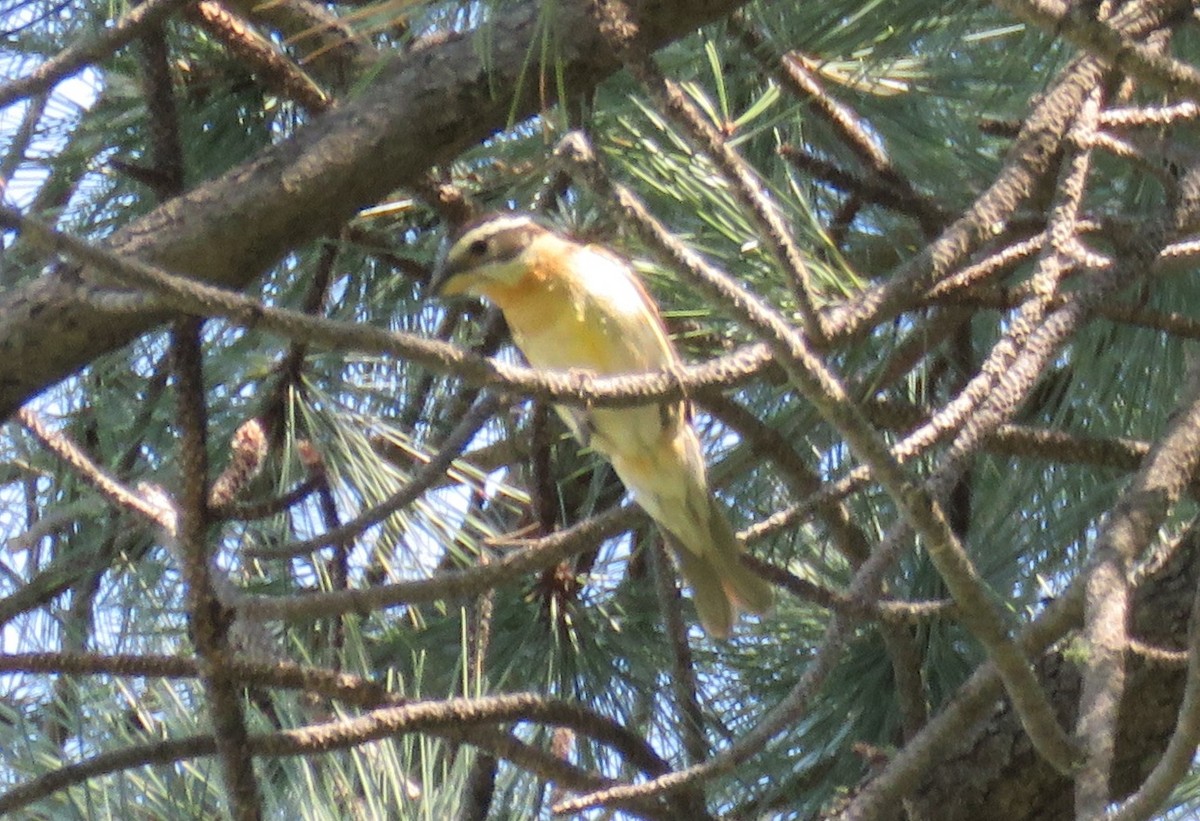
x: 446, y: 281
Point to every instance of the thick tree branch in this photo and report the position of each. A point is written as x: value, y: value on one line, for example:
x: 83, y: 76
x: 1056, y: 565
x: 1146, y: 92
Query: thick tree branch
x: 990, y: 772
x: 425, y: 108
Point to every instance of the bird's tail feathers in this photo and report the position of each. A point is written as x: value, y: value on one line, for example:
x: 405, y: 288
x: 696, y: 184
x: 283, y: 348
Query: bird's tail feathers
x: 674, y: 491
x: 707, y: 552
x: 748, y: 591
x: 713, y: 606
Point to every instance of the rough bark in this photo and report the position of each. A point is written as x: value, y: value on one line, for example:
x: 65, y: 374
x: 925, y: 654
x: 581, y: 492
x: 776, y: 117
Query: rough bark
x: 994, y: 772
x: 426, y: 107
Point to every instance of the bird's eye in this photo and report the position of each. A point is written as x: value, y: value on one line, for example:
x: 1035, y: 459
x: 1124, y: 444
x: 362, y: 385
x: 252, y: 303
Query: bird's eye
x: 478, y: 248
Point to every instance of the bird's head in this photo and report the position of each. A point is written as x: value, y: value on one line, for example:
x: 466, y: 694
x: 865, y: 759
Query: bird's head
x: 492, y: 250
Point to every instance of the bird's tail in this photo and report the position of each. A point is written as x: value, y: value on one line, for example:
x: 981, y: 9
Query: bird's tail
x: 707, y: 552
x: 669, y: 481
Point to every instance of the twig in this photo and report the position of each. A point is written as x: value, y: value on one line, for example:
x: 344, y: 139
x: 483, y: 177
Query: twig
x: 1115, y: 117
x: 930, y: 216
x: 1107, y: 587
x: 456, y: 713
x: 99, y: 664
x: 908, y: 682
x: 821, y: 387
x: 47, y: 525
x: 1176, y: 324
x: 208, y: 632
x: 887, y: 610
x: 91, y: 49
x: 1151, y: 116
x: 1131, y: 527
x: 335, y: 49
x: 796, y: 78
x: 746, y: 185
x: 350, y: 689
x: 1008, y: 440
x: 689, y: 718
x: 338, y: 565
x: 194, y: 298
x: 453, y: 717
x: 1033, y: 156
x: 766, y: 442
x: 86, y: 469
x: 457, y: 584
x: 1176, y: 760
x: 1023, y: 440
x: 421, y: 481
x: 275, y: 69
x: 165, y: 146
x: 1161, y: 656
x: 21, y: 139
x: 992, y: 266
x: 1115, y: 40
x: 619, y: 26
x: 289, y: 370
x: 246, y: 511
x: 853, y: 131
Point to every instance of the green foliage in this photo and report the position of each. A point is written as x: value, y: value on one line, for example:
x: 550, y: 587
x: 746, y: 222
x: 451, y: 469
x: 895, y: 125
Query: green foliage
x: 919, y: 78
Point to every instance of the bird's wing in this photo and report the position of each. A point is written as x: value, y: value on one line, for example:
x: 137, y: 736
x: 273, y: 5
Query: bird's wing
x: 634, y: 326
x: 599, y: 318
x: 635, y: 340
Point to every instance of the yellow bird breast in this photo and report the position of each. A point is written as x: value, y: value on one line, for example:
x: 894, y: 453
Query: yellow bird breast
x: 585, y: 313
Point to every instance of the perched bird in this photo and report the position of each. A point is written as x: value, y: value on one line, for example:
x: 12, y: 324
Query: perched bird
x: 575, y: 307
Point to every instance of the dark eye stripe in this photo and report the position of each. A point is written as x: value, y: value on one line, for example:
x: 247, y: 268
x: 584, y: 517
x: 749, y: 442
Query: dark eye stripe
x: 500, y: 245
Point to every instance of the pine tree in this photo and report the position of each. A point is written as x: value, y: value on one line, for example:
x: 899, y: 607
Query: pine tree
x: 288, y: 537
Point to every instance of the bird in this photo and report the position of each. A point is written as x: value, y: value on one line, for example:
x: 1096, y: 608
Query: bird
x: 581, y: 308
